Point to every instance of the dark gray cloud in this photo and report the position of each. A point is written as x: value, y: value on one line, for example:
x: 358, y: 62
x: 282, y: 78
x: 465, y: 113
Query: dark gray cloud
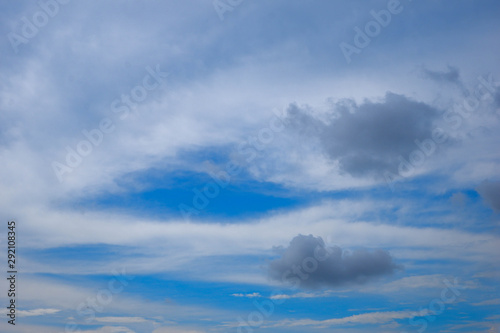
x: 490, y: 192
x: 308, y: 263
x: 368, y: 139
x: 452, y: 75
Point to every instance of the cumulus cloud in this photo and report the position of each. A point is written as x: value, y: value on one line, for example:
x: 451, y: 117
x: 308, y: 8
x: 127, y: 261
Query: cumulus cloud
x: 368, y: 139
x: 490, y: 192
x: 308, y: 263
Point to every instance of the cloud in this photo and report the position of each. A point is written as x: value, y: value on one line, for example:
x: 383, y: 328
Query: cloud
x: 302, y: 295
x: 126, y: 320
x: 44, y: 291
x: 175, y: 330
x: 36, y: 312
x: 308, y: 263
x: 368, y: 139
x: 252, y: 295
x: 452, y: 75
x: 495, y: 301
x: 494, y: 317
x: 490, y: 192
x: 364, y: 318
x: 410, y: 282
x: 110, y: 329
x: 160, y: 242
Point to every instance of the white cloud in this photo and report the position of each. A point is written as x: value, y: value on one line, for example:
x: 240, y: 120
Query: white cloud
x: 37, y: 312
x: 495, y: 301
x: 326, y: 293
x: 365, y: 318
x: 226, y: 79
x: 176, y: 330
x: 110, y: 329
x: 124, y: 320
x: 410, y: 282
x: 71, y: 297
x: 494, y: 317
x: 252, y: 295
x: 174, y: 245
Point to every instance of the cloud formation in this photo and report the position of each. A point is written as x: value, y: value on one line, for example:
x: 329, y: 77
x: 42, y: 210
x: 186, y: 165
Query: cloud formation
x: 495, y: 301
x: 308, y: 263
x: 452, y: 75
x: 490, y: 192
x: 37, y: 312
x: 368, y: 139
x: 363, y: 318
x: 325, y: 293
x: 252, y: 295
x: 123, y: 320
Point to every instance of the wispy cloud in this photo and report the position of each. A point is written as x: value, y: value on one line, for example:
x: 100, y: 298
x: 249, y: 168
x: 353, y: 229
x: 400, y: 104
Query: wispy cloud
x: 495, y: 301
x: 409, y: 282
x: 83, y: 62
x: 364, y: 318
x: 173, y: 329
x: 37, y: 312
x: 124, y: 320
x: 326, y: 293
x: 252, y: 295
x: 110, y: 329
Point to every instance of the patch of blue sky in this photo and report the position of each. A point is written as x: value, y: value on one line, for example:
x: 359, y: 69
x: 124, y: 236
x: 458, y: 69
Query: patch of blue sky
x: 245, y: 198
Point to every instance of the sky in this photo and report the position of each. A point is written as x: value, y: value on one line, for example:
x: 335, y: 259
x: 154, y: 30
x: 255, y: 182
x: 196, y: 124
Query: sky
x: 250, y: 166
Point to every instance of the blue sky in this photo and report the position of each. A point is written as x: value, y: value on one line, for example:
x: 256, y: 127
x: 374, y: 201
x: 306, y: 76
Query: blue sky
x: 251, y: 166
